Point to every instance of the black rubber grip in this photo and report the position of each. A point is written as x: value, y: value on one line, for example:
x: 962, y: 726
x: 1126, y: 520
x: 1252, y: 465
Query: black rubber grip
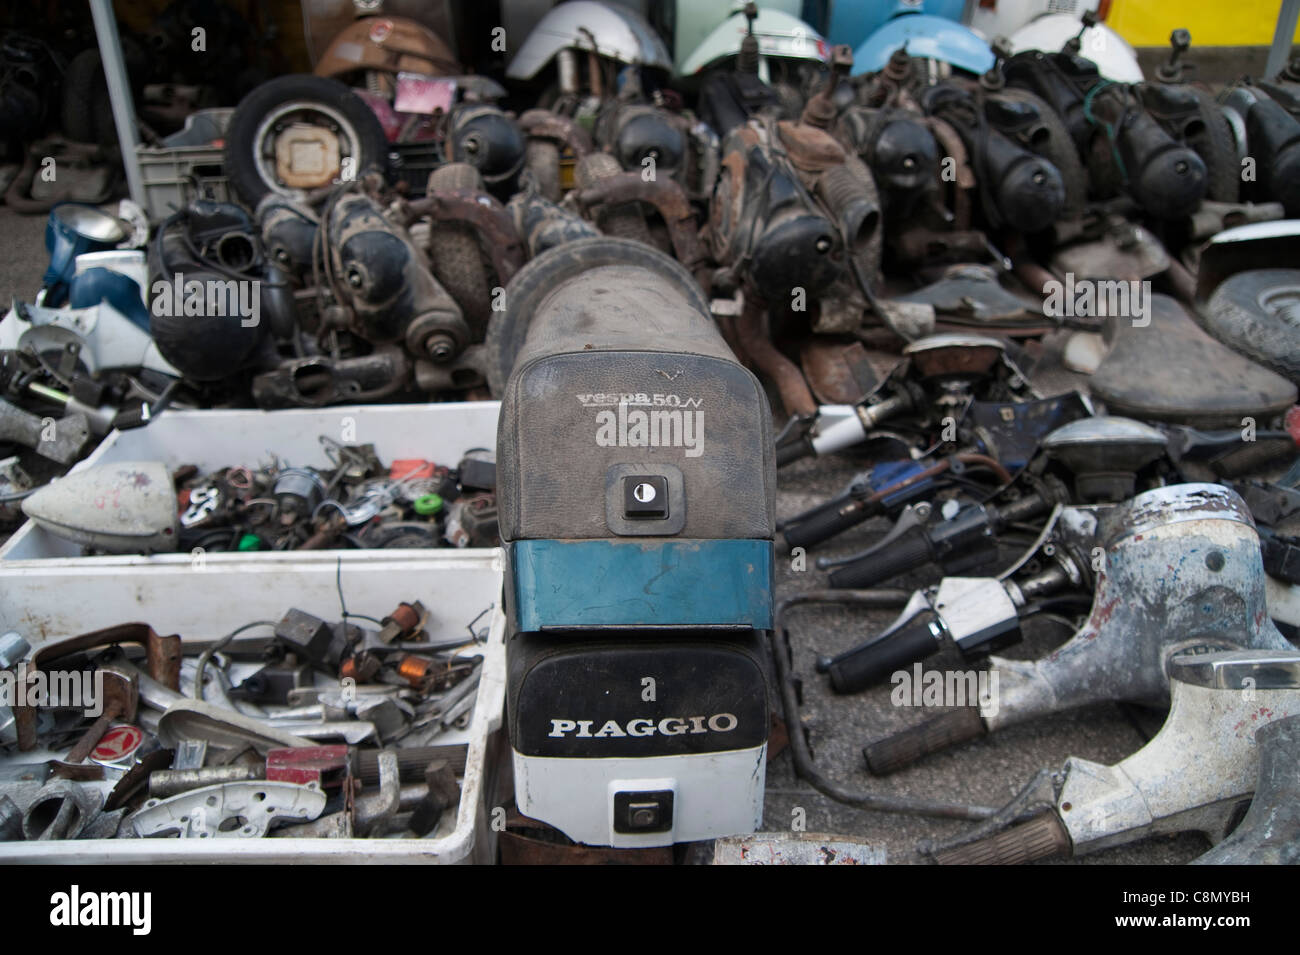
x: 900, y: 556
x: 872, y: 662
x: 793, y: 451
x: 823, y: 525
x: 912, y: 744
x: 1040, y: 838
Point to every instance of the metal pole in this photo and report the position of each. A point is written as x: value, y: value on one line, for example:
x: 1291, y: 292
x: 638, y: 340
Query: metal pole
x: 1281, y: 48
x: 119, y: 93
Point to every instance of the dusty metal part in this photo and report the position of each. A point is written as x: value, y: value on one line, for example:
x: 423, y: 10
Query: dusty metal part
x: 125, y: 507
x: 1180, y: 571
x: 971, y: 295
x: 162, y: 661
x: 61, y: 810
x: 307, y: 156
x: 798, y: 848
x: 1113, y: 249
x: 121, y: 694
x: 380, y: 274
x: 441, y: 793
x: 372, y: 813
x: 669, y: 200
x: 562, y: 130
x: 336, y: 825
x: 319, y: 381
x: 221, y: 727
x: 11, y: 820
x: 488, y: 217
x: 164, y: 783
x: 13, y: 648
x: 785, y: 374
x: 842, y: 374
x: 324, y: 765
x: 61, y: 440
x: 233, y: 810
x: 954, y: 356
x: 1270, y: 832
x: 1159, y: 789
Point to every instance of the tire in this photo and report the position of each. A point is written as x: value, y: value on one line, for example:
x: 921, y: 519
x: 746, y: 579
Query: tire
x: 1058, y: 149
x: 1215, y: 145
x: 542, y: 160
x: 87, y: 113
x: 544, y: 274
x: 623, y: 221
x: 458, y: 261
x: 1234, y: 315
x: 364, y: 136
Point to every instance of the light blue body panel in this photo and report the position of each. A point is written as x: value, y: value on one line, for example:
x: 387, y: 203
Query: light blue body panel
x: 852, y: 21
x: 563, y: 584
x: 931, y: 38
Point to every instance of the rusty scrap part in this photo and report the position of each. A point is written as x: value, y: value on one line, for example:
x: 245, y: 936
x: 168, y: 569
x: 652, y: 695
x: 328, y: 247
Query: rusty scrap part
x: 120, y: 698
x: 371, y: 814
x: 785, y: 374
x: 778, y: 642
x: 820, y: 109
x: 320, y: 381
x: 162, y: 663
x: 809, y: 149
x: 482, y: 213
x: 326, y: 534
x: 441, y: 794
x: 669, y: 200
x: 528, y: 841
x: 839, y: 374
x: 562, y: 130
x: 919, y: 243
x: 1043, y: 837
x: 1181, y: 282
x: 953, y: 146
x: 1033, y: 276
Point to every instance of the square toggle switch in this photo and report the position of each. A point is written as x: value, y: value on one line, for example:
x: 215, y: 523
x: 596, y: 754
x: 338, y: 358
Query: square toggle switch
x: 645, y: 497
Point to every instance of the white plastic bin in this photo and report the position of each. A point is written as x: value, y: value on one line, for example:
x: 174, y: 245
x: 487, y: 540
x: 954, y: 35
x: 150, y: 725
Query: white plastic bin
x: 217, y: 439
x: 54, y: 598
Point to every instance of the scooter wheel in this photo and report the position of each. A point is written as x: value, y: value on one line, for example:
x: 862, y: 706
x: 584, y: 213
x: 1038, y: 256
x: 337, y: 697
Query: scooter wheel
x: 347, y: 129
x: 1255, y: 313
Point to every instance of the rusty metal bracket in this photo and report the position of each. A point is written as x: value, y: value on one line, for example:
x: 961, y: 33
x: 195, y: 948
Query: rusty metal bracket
x: 482, y: 213
x: 669, y: 200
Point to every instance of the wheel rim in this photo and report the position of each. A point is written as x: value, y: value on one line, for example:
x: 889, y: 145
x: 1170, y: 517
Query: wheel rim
x: 303, y: 145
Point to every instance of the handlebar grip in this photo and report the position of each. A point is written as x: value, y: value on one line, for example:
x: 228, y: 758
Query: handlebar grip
x: 823, y: 525
x: 793, y: 451
x: 900, y: 556
x: 907, y: 746
x: 872, y: 662
x: 1039, y: 838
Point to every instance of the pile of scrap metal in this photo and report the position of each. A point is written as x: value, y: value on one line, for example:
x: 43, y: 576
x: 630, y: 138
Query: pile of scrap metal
x: 355, y: 502
x: 308, y: 729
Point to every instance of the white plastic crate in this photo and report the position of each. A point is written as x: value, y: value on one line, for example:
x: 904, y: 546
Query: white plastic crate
x: 53, y: 599
x: 217, y: 439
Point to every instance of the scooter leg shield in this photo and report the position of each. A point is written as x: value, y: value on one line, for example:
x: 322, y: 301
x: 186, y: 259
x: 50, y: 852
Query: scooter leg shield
x: 1270, y: 833
x: 1181, y: 573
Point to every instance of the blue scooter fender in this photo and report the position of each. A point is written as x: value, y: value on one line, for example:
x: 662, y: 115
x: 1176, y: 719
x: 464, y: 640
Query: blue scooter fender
x: 924, y: 36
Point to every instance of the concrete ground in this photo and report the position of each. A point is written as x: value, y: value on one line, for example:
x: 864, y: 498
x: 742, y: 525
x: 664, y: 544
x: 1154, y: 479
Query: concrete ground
x: 986, y: 772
